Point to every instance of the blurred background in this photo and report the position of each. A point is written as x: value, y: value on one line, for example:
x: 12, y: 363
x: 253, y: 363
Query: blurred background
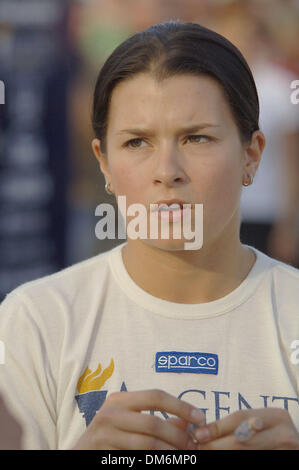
x: 50, y: 183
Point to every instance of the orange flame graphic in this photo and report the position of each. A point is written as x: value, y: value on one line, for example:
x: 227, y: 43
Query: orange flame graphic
x: 90, y: 382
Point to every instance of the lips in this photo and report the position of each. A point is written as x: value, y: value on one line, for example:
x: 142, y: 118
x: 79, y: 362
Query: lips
x: 170, y: 204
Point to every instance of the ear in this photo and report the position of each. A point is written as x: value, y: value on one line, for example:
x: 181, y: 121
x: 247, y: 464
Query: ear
x: 102, y: 159
x: 253, y: 153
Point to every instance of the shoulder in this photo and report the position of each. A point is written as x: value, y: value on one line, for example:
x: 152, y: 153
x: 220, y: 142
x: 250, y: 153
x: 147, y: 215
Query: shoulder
x: 285, y: 276
x: 286, y: 283
x: 281, y: 280
x: 66, y: 292
x: 284, y: 292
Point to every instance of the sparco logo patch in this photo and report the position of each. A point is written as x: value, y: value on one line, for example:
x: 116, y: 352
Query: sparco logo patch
x: 190, y: 362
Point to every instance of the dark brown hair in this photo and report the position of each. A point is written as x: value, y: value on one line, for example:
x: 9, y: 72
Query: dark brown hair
x: 172, y: 48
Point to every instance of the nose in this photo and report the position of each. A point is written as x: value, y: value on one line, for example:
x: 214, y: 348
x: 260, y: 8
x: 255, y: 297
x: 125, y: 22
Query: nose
x: 169, y: 167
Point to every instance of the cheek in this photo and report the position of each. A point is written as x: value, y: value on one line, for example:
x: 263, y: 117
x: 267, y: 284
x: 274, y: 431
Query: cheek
x: 127, y: 182
x: 223, y: 184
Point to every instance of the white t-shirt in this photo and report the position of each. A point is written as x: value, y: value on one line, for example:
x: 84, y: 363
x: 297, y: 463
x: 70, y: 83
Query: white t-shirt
x: 75, y: 336
x: 265, y: 200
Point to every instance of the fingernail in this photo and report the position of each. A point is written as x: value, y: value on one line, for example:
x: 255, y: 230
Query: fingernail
x: 258, y: 424
x: 202, y: 434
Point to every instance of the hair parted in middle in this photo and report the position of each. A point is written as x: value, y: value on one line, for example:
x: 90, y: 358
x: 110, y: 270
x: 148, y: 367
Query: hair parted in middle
x: 176, y: 48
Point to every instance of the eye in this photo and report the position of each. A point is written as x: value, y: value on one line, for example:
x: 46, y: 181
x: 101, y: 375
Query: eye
x: 134, y: 143
x: 197, y: 139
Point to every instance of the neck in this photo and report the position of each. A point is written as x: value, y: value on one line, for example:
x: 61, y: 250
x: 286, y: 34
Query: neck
x: 189, y: 277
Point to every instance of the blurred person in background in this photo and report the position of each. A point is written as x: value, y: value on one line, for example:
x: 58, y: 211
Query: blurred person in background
x: 95, y: 29
x: 270, y: 205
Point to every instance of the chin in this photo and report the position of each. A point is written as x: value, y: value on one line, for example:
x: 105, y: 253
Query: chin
x: 167, y: 245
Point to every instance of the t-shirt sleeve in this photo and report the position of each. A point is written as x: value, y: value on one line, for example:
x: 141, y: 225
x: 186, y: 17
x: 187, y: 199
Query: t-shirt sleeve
x: 26, y: 377
x: 287, y: 282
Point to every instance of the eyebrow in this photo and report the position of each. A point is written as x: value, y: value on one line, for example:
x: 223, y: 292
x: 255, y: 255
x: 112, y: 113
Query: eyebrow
x: 193, y: 128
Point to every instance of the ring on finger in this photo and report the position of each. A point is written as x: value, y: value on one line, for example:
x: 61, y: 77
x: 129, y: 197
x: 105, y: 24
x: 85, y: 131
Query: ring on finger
x: 247, y: 429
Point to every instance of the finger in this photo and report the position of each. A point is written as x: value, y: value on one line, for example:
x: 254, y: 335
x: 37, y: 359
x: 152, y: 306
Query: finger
x: 273, y: 429
x: 190, y: 428
x: 123, y: 440
x: 268, y: 439
x: 242, y: 438
x: 265, y: 439
x: 179, y: 423
x: 228, y: 425
x: 225, y: 443
x: 152, y: 426
x: 248, y: 428
x: 157, y: 400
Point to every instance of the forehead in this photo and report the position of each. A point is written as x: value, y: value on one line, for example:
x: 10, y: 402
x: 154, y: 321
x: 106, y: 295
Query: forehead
x: 143, y: 99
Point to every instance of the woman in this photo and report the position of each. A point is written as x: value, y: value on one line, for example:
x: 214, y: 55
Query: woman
x: 189, y: 335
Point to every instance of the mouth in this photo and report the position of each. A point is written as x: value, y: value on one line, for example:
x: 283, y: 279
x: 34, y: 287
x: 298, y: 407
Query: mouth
x: 171, y: 210
x: 168, y: 205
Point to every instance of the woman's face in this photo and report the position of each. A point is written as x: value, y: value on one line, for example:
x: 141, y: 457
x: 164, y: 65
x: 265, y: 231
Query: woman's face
x: 177, y: 139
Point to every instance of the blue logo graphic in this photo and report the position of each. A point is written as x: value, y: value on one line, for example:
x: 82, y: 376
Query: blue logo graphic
x: 188, y: 362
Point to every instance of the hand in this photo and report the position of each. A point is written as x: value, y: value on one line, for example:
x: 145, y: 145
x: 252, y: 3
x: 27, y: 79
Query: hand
x: 274, y: 430
x: 120, y: 425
